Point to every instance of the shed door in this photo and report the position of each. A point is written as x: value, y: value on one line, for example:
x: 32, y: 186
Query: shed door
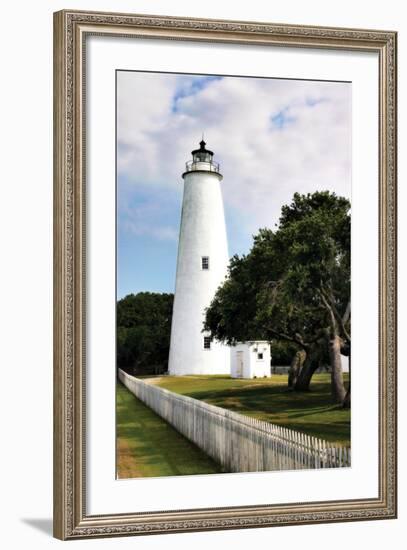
x: 239, y: 364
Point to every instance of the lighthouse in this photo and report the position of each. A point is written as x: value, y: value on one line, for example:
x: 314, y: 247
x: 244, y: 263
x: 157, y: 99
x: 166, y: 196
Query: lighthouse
x: 201, y: 269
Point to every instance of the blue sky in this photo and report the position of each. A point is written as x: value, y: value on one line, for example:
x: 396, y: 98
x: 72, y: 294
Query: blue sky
x: 271, y: 137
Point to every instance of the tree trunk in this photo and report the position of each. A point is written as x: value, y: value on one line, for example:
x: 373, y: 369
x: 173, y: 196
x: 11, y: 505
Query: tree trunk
x: 346, y: 401
x: 295, y: 367
x: 310, y: 365
x: 338, y: 391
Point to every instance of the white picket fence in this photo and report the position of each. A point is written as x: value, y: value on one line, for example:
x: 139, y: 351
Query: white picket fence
x: 237, y: 442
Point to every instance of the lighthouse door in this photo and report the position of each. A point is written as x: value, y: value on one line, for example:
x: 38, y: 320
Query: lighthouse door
x: 239, y: 364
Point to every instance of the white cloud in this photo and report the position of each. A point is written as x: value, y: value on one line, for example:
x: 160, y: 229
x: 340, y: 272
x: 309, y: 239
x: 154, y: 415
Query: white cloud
x: 272, y: 137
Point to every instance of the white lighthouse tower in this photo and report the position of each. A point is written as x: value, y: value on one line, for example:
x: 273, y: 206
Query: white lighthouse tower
x: 201, y: 268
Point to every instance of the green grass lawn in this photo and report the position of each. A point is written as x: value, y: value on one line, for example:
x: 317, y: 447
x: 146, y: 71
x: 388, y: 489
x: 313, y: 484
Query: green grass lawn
x: 268, y: 399
x: 148, y: 447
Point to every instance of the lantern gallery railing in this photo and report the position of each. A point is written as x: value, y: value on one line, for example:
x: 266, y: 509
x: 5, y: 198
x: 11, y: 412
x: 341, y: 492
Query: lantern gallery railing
x: 212, y: 166
x: 238, y: 443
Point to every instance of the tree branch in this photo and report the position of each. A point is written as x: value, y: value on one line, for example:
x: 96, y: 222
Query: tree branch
x: 334, y: 324
x: 346, y: 315
x: 330, y: 304
x: 295, y: 339
x: 345, y: 319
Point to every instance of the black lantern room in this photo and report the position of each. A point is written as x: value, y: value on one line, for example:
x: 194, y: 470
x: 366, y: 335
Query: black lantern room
x: 202, y: 154
x: 202, y: 161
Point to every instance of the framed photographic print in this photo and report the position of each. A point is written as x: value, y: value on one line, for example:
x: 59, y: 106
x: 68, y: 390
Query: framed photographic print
x: 224, y: 228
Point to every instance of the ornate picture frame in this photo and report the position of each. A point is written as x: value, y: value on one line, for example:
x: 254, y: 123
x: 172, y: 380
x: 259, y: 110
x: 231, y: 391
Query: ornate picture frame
x: 71, y: 29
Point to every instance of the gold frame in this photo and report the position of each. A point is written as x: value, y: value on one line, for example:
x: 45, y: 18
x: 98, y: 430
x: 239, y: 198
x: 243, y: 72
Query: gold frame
x: 70, y: 31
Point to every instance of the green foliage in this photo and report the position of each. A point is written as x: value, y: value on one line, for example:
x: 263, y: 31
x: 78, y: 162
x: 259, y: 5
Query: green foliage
x: 315, y: 233
x: 274, y: 292
x: 143, y: 332
x: 282, y: 352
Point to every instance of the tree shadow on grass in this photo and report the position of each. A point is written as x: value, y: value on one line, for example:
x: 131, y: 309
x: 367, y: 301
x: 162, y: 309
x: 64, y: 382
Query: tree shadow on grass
x: 289, y: 409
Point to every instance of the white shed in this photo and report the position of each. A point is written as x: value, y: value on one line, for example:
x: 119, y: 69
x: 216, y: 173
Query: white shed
x: 250, y: 359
